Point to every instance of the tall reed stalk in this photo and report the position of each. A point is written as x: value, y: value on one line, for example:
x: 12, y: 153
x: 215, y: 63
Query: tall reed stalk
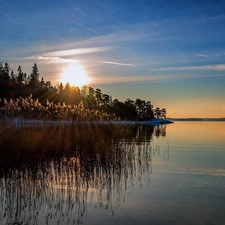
x: 30, y: 108
x: 57, y: 172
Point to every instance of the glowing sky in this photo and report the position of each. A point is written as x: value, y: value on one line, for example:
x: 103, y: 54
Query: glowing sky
x: 169, y: 52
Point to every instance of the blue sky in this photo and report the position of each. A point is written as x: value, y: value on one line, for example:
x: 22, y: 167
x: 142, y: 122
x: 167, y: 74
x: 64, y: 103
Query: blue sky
x: 169, y: 52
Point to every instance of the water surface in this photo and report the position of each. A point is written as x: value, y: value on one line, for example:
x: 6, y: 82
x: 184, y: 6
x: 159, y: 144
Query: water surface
x: 172, y: 174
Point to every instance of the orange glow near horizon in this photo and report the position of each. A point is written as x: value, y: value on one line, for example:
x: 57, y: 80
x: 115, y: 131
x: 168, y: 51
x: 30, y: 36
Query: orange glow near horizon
x: 195, y: 108
x: 75, y: 75
x: 206, y: 131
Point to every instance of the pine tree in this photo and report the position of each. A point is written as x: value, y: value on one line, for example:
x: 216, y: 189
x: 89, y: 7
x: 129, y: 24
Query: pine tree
x: 12, y: 76
x: 60, y: 87
x: 42, y: 83
x: 20, y: 76
x: 6, y: 74
x: 1, y: 71
x: 34, y: 76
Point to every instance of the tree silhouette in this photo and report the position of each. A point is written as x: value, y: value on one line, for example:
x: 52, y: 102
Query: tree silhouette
x: 105, y: 99
x: 163, y: 113
x: 91, y: 98
x: 19, y: 85
x: 12, y: 76
x: 157, y: 112
x: 20, y: 77
x: 6, y: 72
x: 98, y: 96
x: 34, y: 76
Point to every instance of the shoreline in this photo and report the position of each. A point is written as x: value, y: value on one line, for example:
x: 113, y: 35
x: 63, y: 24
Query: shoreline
x: 21, y: 121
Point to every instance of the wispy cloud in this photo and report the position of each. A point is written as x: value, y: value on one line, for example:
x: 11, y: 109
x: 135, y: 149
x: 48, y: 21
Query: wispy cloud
x: 211, y: 55
x: 204, y: 67
x: 203, y: 55
x: 148, y: 78
x: 63, y: 56
x: 124, y: 34
x: 118, y: 64
x: 50, y: 60
x: 78, y: 51
x: 127, y: 79
x: 45, y: 59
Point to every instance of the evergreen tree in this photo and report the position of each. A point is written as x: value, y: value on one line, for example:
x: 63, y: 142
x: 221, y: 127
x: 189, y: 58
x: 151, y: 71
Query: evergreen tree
x: 34, y: 76
x: 91, y: 98
x: 105, y: 99
x: 6, y: 74
x: 26, y: 79
x: 157, y: 112
x: 12, y: 76
x: 98, y: 96
x: 60, y: 87
x: 20, y: 76
x: 1, y: 71
x: 4, y: 79
x: 163, y: 113
x: 67, y: 87
x: 42, y: 83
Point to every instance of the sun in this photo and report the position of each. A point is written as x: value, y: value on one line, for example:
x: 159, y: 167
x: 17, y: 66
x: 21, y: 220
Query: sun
x: 75, y: 75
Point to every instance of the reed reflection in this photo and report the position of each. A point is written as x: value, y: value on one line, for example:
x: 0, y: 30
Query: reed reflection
x: 62, y: 188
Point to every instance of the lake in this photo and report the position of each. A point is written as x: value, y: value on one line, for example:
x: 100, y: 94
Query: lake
x: 171, y: 174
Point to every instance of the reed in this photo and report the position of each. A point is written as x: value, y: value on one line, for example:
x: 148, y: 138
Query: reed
x: 33, y: 144
x: 30, y: 108
x: 36, y: 144
x: 65, y: 188
x: 60, y: 171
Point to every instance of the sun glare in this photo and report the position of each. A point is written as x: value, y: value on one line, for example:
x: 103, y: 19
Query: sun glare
x: 75, y: 75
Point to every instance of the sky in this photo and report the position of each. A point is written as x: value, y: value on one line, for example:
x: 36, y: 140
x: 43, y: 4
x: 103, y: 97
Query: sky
x: 169, y: 52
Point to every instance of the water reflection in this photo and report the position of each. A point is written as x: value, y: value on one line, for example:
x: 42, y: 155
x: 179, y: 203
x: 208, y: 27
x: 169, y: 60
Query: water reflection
x: 60, y: 190
x: 145, y: 133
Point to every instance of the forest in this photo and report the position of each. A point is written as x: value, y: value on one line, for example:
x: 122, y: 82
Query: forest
x: 29, y: 96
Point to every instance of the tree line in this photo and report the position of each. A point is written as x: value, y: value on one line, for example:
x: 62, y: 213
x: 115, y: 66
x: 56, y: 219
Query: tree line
x: 19, y: 84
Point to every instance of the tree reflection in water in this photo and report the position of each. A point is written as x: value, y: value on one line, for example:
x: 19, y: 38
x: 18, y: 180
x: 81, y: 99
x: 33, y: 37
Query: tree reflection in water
x: 62, y: 189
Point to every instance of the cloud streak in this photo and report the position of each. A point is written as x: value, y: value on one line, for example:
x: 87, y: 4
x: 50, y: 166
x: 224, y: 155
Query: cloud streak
x: 211, y: 55
x: 203, y: 55
x: 50, y: 60
x: 78, y: 51
x: 204, y: 67
x: 62, y: 56
x: 118, y: 64
x: 144, y: 79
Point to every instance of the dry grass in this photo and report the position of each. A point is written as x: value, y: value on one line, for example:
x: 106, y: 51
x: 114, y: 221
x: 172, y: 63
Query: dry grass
x: 30, y: 108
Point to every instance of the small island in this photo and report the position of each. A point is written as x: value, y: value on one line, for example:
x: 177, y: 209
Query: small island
x: 27, y: 98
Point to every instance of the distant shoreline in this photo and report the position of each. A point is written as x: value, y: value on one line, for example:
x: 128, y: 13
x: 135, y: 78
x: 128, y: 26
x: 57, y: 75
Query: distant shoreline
x: 198, y: 119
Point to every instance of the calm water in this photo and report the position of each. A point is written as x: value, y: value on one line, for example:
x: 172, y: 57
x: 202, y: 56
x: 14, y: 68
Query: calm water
x: 174, y: 174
